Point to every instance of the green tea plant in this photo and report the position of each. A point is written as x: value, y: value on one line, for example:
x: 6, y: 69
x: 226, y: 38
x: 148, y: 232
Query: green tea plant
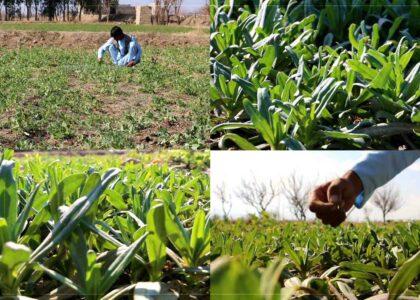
x: 275, y: 85
x: 104, y: 227
x: 263, y: 258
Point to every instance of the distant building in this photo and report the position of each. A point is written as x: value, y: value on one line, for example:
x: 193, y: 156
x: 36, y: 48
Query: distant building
x: 125, y: 10
x: 145, y: 14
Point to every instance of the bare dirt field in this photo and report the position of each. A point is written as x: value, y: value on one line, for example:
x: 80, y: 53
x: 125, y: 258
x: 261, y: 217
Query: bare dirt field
x: 92, y: 40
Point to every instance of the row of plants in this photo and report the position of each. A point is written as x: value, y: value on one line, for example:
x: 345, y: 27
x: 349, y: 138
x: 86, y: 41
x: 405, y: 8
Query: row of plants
x: 306, y: 75
x: 264, y: 259
x: 104, y: 227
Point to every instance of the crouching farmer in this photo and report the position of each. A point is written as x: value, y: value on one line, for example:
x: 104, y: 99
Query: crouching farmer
x: 125, y: 52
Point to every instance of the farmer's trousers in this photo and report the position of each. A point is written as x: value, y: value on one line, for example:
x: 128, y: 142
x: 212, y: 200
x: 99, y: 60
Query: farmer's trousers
x: 119, y: 60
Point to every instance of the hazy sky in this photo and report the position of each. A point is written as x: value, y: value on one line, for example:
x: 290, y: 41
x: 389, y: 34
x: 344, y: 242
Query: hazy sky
x: 188, y: 5
x: 315, y: 166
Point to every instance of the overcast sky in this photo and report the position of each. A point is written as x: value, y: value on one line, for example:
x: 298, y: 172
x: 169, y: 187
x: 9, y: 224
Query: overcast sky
x: 316, y: 166
x: 188, y: 5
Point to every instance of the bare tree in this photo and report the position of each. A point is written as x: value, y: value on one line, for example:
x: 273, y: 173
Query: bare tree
x: 258, y: 194
x: 366, y: 212
x: 28, y: 4
x: 387, y: 199
x: 166, y: 7
x: 296, y: 191
x: 222, y: 195
x: 37, y: 4
x: 177, y: 9
x: 157, y: 11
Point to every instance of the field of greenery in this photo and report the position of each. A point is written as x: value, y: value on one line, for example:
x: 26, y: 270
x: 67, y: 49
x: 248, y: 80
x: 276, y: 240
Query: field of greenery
x: 315, y: 74
x: 55, y: 98
x: 92, y: 27
x: 264, y: 258
x: 104, y: 227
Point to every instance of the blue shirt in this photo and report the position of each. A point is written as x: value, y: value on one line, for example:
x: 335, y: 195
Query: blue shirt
x: 125, y: 50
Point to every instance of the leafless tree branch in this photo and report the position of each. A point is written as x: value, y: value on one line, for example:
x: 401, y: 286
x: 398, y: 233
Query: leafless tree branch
x: 387, y: 199
x: 296, y: 191
x: 222, y: 195
x: 258, y: 194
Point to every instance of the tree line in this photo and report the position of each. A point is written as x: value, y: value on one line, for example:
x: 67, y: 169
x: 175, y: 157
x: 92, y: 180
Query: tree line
x: 59, y: 10
x: 71, y: 10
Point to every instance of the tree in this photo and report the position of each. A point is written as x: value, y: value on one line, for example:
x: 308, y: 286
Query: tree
x: 82, y: 5
x: 37, y: 4
x: 177, y: 9
x: 387, y: 199
x: 296, y: 192
x: 366, y: 212
x: 166, y: 7
x: 157, y: 11
x: 8, y: 9
x: 1, y: 4
x: 222, y: 195
x: 258, y: 194
x: 28, y: 5
x: 50, y: 8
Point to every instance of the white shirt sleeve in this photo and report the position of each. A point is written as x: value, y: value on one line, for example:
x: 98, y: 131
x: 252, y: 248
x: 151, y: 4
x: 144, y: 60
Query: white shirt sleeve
x: 104, y: 47
x: 378, y: 168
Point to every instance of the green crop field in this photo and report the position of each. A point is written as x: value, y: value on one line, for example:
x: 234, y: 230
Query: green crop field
x: 91, y: 27
x: 264, y: 258
x: 104, y: 227
x: 315, y: 74
x: 62, y: 98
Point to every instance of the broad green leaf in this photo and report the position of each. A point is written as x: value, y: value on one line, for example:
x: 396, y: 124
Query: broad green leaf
x: 364, y: 267
x: 155, y: 241
x: 8, y: 194
x: 14, y: 254
x: 362, y: 69
x: 23, y: 216
x: 405, y: 275
x: 260, y: 123
x: 118, y: 265
x: 381, y: 80
x: 72, y: 216
x: 65, y: 188
x: 238, y: 140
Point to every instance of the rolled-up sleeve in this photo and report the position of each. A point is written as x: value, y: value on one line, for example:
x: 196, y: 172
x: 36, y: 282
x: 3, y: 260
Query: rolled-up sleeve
x: 378, y: 168
x: 104, y: 47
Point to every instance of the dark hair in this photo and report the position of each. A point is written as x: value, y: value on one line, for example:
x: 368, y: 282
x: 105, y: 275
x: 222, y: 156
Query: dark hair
x: 116, y: 31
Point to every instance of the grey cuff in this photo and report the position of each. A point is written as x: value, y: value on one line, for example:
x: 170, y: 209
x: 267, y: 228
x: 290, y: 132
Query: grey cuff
x: 368, y: 185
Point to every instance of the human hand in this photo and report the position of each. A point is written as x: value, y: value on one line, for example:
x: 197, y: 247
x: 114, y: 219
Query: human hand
x: 131, y: 63
x: 330, y: 201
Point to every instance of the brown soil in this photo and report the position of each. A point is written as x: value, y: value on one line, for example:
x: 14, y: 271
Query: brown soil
x: 7, y: 138
x: 89, y: 40
x: 197, y: 21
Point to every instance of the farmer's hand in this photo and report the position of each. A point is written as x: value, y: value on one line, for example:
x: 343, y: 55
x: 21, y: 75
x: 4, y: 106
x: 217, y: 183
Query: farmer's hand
x: 333, y: 199
x: 131, y: 63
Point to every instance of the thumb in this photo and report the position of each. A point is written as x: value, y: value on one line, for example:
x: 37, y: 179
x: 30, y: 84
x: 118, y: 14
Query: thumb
x: 335, y: 193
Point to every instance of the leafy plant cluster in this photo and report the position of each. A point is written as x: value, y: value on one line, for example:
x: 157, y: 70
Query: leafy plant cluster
x: 262, y: 259
x: 104, y: 227
x: 315, y: 74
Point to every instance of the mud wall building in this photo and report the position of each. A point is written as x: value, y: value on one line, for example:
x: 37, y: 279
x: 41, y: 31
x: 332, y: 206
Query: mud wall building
x: 145, y: 14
